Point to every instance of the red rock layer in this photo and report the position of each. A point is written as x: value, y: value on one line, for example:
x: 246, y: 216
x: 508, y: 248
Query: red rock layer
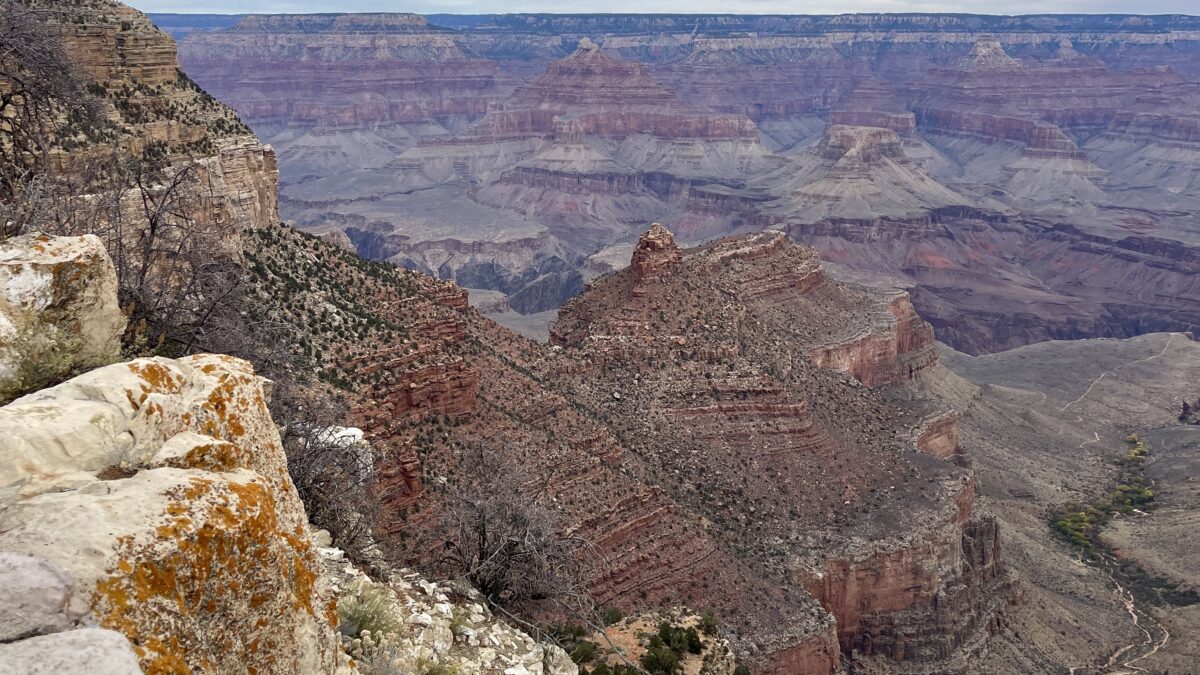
x: 934, y: 584
x: 892, y: 353
x: 714, y: 404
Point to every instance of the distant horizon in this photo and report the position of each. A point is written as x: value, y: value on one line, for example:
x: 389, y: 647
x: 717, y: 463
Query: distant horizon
x: 670, y: 7
x: 583, y: 13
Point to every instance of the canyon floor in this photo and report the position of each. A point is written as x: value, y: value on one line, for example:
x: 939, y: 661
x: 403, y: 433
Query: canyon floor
x: 1044, y: 425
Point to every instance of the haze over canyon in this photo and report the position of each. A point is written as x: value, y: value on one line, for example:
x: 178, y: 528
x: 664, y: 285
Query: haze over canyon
x: 1026, y: 178
x: 598, y: 344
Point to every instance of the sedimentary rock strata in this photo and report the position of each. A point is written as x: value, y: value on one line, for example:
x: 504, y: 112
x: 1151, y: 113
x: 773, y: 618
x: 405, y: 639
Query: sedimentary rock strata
x: 675, y: 431
x: 725, y: 404
x: 945, y: 153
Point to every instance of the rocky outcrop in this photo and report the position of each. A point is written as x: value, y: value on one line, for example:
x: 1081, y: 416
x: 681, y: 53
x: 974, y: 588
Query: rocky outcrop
x: 36, y: 598
x: 58, y: 309
x: 425, y: 625
x: 40, y: 617
x: 655, y: 253
x: 611, y: 98
x: 170, y: 477
x: 85, y: 651
x: 702, y: 364
x: 894, y: 350
x: 916, y: 602
x: 988, y: 53
x: 874, y: 104
x: 937, y: 434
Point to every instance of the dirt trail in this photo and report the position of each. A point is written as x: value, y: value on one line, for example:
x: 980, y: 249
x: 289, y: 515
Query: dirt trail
x: 1170, y: 337
x: 1156, y: 635
x: 1121, y: 661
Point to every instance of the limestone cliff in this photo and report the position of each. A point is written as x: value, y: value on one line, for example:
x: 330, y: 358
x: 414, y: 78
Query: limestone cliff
x: 218, y: 177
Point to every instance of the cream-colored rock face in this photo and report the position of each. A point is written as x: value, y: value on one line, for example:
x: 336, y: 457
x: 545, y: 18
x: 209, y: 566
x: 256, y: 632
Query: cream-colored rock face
x: 161, y: 487
x: 57, y: 291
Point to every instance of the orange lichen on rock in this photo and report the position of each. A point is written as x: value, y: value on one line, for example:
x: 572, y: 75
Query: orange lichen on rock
x: 199, y: 551
x: 171, y: 595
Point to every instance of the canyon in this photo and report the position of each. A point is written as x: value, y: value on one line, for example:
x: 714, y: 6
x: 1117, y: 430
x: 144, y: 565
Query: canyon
x: 741, y: 413
x: 1023, y: 180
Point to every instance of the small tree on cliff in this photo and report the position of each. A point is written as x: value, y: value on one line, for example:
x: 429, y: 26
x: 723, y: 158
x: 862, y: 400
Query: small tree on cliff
x: 499, y: 536
x: 500, y: 539
x: 43, y: 100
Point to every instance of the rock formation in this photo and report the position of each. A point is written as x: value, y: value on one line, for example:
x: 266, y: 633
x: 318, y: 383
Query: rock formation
x: 58, y: 311
x: 1016, y: 165
x: 157, y: 114
x: 861, y: 174
x: 709, y: 390
x: 171, y: 474
x: 655, y: 254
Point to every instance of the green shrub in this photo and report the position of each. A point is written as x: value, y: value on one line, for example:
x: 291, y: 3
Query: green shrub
x: 660, y: 660
x: 611, y: 615
x: 427, y: 667
x: 1080, y: 524
x: 584, y: 651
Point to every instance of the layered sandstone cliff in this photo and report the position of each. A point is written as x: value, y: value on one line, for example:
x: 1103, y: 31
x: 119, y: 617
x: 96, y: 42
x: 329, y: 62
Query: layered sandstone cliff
x: 1005, y: 131
x: 217, y: 175
x: 723, y: 402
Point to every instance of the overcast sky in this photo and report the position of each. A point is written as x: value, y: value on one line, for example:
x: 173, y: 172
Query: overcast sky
x: 676, y: 6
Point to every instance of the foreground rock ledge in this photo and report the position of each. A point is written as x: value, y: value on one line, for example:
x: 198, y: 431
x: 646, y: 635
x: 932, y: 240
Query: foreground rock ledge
x: 161, y: 487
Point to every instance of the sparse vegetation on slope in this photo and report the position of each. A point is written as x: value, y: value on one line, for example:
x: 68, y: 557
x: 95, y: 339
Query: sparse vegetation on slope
x: 1081, y: 523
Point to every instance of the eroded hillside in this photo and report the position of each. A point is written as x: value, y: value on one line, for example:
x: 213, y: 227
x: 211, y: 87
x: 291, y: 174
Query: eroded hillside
x: 1026, y: 182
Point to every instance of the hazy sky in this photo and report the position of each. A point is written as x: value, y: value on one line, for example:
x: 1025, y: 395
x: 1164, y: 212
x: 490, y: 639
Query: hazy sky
x: 677, y: 6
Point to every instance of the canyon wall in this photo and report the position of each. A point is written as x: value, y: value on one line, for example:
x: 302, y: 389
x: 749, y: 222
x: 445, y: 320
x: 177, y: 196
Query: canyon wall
x: 915, y: 593
x: 912, y: 147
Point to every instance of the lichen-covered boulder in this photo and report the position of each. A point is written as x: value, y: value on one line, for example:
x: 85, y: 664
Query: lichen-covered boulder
x: 161, y: 487
x: 58, y: 309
